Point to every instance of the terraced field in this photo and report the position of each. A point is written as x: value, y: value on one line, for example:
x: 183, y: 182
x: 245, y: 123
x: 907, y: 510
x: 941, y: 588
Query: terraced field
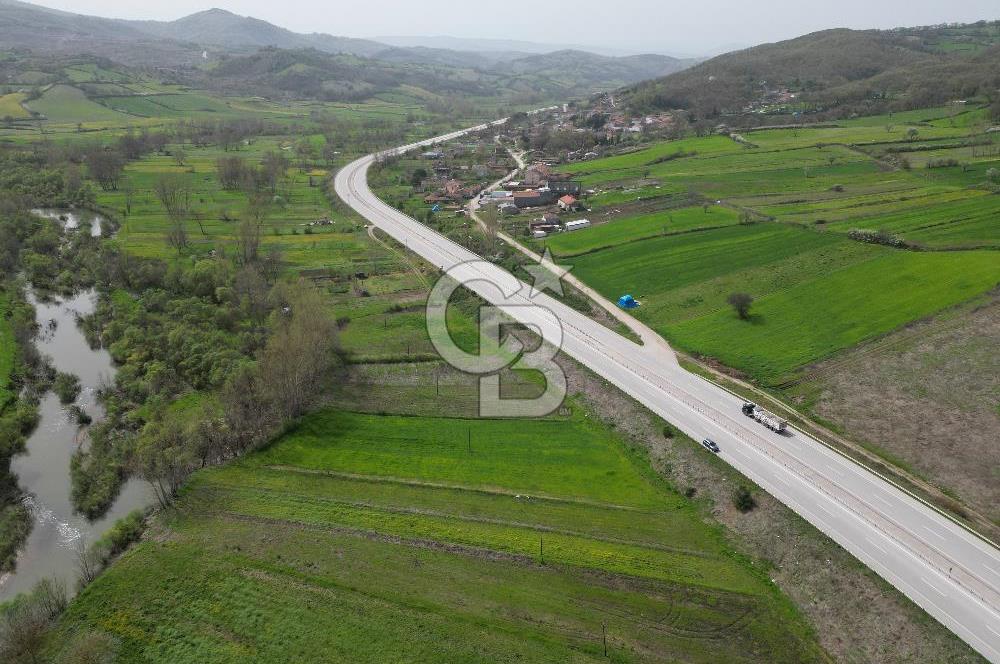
x: 817, y: 292
x: 381, y: 537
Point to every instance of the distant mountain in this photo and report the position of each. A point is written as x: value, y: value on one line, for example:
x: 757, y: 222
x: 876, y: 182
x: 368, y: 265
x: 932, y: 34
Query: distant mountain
x: 837, y: 71
x: 220, y: 28
x: 578, y: 69
x: 51, y: 31
x: 478, y: 45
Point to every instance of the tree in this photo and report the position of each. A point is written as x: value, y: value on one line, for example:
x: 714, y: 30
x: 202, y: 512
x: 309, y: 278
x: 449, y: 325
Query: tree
x: 106, y: 166
x: 174, y: 194
x: 741, y: 302
x: 299, y: 355
x: 912, y: 134
x: 993, y: 175
x: 491, y: 225
x: 232, y: 172
x: 179, y: 156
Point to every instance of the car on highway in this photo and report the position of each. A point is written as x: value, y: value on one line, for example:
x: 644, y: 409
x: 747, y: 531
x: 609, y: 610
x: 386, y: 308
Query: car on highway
x: 709, y: 444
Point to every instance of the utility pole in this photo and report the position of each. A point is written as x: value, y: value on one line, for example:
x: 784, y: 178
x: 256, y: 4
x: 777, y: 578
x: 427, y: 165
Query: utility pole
x: 541, y: 549
x: 604, y: 636
x: 470, y: 440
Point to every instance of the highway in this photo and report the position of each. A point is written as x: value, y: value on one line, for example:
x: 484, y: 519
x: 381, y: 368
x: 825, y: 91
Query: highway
x: 949, y: 572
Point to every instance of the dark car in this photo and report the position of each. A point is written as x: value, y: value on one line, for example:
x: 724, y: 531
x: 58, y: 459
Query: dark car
x: 709, y: 444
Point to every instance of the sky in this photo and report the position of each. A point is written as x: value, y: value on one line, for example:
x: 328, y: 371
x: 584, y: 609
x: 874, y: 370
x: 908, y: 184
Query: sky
x: 662, y: 26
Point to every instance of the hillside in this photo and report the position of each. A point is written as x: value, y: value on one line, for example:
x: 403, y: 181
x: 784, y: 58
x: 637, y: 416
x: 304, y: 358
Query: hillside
x: 218, y: 27
x: 836, y: 72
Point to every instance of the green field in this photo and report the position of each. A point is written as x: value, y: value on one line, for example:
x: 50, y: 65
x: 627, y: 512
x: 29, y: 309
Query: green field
x: 816, y: 291
x: 385, y: 537
x: 64, y: 103
x: 10, y: 106
x: 641, y: 227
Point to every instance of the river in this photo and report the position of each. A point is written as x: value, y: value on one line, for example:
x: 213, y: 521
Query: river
x: 43, y: 470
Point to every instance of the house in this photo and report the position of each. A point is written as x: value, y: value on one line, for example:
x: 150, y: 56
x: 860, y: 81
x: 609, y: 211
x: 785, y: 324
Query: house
x: 568, y: 203
x: 577, y: 225
x: 536, y: 175
x: 507, y: 209
x: 433, y: 154
x: 530, y: 198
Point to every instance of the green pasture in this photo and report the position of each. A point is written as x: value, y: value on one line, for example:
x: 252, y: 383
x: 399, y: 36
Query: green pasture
x: 384, y: 537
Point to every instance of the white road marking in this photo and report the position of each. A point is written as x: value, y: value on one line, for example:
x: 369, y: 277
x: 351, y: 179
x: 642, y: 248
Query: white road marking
x: 993, y: 630
x: 881, y: 500
x: 935, y: 533
x: 934, y: 588
x: 875, y: 544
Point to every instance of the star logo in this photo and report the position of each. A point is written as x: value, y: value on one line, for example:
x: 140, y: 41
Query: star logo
x: 547, y: 275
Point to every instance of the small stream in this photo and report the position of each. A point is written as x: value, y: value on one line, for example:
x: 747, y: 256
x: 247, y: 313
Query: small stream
x: 74, y: 219
x: 43, y: 470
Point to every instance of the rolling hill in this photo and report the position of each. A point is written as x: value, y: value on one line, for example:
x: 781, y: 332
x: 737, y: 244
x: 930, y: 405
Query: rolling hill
x: 838, y: 72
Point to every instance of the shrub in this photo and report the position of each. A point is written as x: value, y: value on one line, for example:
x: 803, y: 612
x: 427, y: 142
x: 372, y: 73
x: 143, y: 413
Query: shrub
x: 668, y: 431
x: 743, y: 499
x: 741, y: 302
x: 67, y: 387
x: 882, y: 237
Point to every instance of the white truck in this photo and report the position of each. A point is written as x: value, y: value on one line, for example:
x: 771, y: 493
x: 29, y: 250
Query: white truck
x: 767, y: 418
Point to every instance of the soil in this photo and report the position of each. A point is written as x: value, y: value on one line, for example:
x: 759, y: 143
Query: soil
x: 857, y: 616
x: 930, y: 399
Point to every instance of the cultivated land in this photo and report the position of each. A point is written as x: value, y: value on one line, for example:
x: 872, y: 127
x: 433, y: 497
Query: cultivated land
x: 927, y: 397
x: 798, y: 192
x: 517, y: 549
x: 375, y: 536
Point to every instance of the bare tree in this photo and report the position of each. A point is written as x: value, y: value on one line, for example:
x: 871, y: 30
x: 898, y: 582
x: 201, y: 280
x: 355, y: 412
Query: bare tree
x: 106, y: 166
x: 300, y: 353
x: 491, y: 225
x: 174, y: 195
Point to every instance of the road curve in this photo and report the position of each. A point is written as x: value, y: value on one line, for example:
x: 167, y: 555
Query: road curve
x: 949, y: 572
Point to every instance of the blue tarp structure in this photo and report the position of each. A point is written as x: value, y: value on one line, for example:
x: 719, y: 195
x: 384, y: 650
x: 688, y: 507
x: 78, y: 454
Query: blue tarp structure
x: 627, y: 302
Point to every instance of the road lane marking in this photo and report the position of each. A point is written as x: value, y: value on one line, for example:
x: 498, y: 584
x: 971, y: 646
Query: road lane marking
x: 835, y: 471
x: 881, y: 500
x: 820, y: 505
x: 874, y: 544
x: 935, y: 533
x: 934, y: 588
x: 992, y: 630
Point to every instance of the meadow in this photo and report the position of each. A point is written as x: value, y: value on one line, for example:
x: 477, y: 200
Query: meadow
x: 805, y: 189
x: 379, y: 536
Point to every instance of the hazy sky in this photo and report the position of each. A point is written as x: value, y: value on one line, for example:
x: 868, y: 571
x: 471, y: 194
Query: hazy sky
x: 671, y: 26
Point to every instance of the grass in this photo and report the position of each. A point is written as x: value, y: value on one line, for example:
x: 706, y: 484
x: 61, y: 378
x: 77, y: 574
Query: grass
x: 64, y: 103
x: 382, y: 538
x: 854, y: 304
x: 640, y: 227
x: 817, y: 292
x: 10, y: 106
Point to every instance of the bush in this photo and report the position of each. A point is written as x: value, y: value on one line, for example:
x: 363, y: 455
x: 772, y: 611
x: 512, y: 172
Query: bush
x: 67, y: 387
x: 668, y: 431
x: 743, y: 499
x: 882, y: 237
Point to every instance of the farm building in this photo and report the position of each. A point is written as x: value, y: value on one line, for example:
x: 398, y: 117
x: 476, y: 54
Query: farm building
x: 568, y: 203
x: 577, y: 225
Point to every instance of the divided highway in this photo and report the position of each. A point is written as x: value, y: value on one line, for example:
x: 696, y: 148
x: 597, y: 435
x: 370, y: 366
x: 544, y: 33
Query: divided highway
x: 950, y: 573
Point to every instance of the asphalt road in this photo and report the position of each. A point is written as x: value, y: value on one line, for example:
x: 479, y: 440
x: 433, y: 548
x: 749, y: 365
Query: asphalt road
x: 949, y: 572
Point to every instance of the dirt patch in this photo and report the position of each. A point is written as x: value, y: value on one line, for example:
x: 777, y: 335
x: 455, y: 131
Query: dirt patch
x: 928, y: 398
x: 857, y: 616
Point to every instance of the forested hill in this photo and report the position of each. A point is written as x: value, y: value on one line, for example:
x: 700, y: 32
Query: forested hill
x: 837, y: 72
